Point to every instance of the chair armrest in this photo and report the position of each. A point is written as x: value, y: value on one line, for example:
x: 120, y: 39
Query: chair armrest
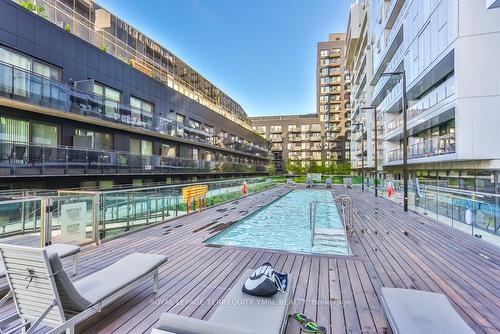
x: 178, y: 324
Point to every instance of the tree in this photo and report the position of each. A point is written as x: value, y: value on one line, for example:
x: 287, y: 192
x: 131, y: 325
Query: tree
x: 294, y: 166
x: 314, y: 167
x: 271, y: 168
x: 344, y: 168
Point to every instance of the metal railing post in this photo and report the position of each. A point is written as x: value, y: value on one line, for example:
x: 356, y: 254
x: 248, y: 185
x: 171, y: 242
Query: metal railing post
x: 46, y: 221
x: 95, y: 219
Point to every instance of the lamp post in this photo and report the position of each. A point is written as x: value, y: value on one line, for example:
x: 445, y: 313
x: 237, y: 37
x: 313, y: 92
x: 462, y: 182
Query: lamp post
x: 362, y: 154
x: 376, y: 146
x: 405, y: 137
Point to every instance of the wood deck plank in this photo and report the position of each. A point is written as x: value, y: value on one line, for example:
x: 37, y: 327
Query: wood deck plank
x: 390, y: 248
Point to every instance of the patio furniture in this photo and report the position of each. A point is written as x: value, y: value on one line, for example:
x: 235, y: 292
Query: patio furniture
x: 237, y: 313
x: 17, y: 153
x: 414, y: 312
x: 44, y: 294
x: 328, y: 182
x: 290, y: 183
x: 309, y: 182
x: 39, y: 154
x: 347, y: 182
x: 63, y: 250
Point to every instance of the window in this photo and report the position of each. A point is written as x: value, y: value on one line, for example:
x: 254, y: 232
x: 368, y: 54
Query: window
x: 141, y: 147
x: 260, y: 129
x: 169, y: 151
x: 275, y: 128
x: 196, y: 153
x: 194, y: 124
x: 14, y: 130
x: 209, y: 129
x: 141, y: 112
x: 44, y: 134
x: 23, y: 67
x: 27, y: 63
x: 324, y: 53
x: 179, y: 118
x: 92, y: 139
x: 112, y: 100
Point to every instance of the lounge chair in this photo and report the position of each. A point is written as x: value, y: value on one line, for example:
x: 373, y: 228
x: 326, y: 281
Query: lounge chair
x: 416, y: 312
x: 347, y: 182
x: 237, y: 313
x: 63, y: 250
x: 309, y: 182
x: 290, y: 183
x: 44, y: 294
x: 328, y: 182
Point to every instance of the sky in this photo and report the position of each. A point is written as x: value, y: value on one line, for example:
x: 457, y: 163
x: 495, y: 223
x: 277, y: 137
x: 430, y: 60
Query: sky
x: 262, y: 53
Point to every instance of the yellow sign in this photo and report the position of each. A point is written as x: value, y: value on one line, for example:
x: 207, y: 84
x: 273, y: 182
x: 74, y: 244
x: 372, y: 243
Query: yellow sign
x: 194, y: 191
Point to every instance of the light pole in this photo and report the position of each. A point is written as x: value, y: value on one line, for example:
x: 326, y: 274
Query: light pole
x: 405, y: 137
x: 362, y: 154
x: 376, y: 145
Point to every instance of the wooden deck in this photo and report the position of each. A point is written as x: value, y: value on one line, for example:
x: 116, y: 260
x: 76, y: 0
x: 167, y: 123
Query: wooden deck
x: 390, y: 248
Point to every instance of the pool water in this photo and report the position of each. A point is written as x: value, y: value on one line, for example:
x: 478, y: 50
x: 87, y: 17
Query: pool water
x: 284, y: 225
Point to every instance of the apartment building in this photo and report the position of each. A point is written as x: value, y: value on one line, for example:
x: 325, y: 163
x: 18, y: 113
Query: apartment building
x: 449, y: 53
x: 358, y: 61
x: 297, y: 138
x: 333, y: 89
x: 87, y: 99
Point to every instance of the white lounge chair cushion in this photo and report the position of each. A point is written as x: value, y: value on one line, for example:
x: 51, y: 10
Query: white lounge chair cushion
x: 416, y: 312
x: 237, y: 313
x: 263, y: 315
x: 80, y: 295
x: 103, y: 283
x: 63, y: 250
x: 173, y: 323
x: 71, y: 299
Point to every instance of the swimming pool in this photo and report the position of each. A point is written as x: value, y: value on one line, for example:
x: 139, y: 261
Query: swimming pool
x: 284, y: 225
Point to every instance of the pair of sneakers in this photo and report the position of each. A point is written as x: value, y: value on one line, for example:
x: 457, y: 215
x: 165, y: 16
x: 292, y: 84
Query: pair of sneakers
x: 308, y: 325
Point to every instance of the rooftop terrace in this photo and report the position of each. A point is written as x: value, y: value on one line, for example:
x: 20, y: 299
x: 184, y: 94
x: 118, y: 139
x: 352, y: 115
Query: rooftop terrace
x: 390, y: 248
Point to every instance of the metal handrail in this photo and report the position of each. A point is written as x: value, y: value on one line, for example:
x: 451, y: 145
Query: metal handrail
x: 346, y: 214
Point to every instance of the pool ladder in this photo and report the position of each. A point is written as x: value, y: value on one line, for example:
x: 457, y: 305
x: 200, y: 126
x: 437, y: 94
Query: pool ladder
x: 332, y: 237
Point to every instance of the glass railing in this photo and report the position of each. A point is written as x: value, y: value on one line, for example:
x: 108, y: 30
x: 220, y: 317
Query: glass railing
x: 30, y: 159
x: 102, y: 214
x: 429, y: 148
x: 476, y: 213
x: 26, y: 86
x: 429, y: 100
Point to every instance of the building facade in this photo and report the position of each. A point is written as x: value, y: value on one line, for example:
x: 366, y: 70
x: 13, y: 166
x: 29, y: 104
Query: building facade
x: 448, y: 51
x: 333, y: 97
x: 358, y: 62
x: 296, y: 139
x: 87, y: 99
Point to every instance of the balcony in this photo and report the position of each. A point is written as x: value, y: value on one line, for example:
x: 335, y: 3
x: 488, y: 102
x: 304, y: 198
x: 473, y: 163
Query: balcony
x: 430, y: 102
x: 21, y: 159
x: 294, y: 129
x: 316, y: 148
x: 276, y: 139
x: 28, y: 87
x: 430, y: 148
x: 296, y: 148
x: 295, y: 138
